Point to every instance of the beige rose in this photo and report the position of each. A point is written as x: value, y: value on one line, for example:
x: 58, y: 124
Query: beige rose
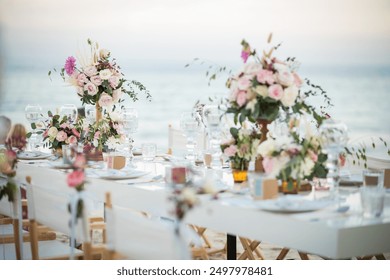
x: 261, y: 90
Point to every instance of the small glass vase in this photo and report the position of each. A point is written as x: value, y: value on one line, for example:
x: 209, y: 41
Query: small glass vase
x: 290, y: 186
x: 239, y: 176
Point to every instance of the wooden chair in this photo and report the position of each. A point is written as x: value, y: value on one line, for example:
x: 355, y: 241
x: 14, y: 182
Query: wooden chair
x: 131, y: 235
x: 11, y: 228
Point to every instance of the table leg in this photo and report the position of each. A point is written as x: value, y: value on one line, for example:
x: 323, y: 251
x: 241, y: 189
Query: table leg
x: 231, y: 242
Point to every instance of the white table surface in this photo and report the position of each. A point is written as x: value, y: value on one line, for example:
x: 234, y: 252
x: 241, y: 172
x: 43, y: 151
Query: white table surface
x: 324, y: 232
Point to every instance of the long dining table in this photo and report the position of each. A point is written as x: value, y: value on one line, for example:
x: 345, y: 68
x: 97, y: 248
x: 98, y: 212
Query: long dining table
x: 326, y: 232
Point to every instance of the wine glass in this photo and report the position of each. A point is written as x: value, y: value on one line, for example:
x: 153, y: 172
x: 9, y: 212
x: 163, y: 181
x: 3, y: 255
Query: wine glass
x: 190, y: 127
x: 334, y: 137
x: 212, y: 115
x: 90, y: 112
x: 33, y: 113
x: 70, y: 111
x: 130, y: 126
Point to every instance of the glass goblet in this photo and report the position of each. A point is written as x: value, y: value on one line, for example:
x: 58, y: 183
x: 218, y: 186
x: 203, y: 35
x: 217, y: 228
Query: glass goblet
x: 334, y: 137
x: 70, y: 111
x: 130, y: 126
x: 190, y: 127
x: 33, y: 113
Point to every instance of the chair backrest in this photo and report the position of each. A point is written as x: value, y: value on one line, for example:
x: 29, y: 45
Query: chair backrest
x: 49, y: 206
x: 135, y: 236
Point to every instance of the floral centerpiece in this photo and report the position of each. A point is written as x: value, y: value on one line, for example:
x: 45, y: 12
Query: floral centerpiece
x: 8, y: 169
x: 98, y: 79
x: 59, y: 131
x: 105, y: 134
x: 292, y: 158
x: 267, y: 85
x: 241, y: 149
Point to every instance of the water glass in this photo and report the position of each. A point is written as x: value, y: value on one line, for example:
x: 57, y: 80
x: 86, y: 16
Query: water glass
x: 149, y: 151
x: 70, y: 111
x: 90, y: 112
x: 67, y: 154
x: 372, y: 200
x: 373, y: 178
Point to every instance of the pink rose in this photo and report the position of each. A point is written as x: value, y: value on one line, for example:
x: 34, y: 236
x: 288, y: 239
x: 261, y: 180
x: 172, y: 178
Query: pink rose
x: 285, y: 78
x: 265, y: 76
x: 90, y: 88
x: 275, y: 92
x: 64, y: 125
x: 80, y: 91
x: 90, y: 71
x: 243, y: 83
x: 297, y: 80
x: 114, y: 81
x: 268, y: 164
x: 75, y: 178
x: 241, y: 98
x: 97, y: 135
x: 75, y: 132
x: 61, y: 136
x: 233, y: 95
x: 96, y: 80
x: 81, y: 79
x: 230, y: 151
x: 72, y: 139
x: 105, y: 100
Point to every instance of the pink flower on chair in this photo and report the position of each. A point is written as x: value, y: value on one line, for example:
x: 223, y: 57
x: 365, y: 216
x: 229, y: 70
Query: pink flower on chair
x: 75, y: 178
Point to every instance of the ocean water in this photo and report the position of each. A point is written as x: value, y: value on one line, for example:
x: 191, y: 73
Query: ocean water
x: 361, y: 96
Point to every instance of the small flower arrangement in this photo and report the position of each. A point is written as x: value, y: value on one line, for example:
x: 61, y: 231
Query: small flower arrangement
x: 242, y: 147
x: 266, y: 85
x: 76, y: 179
x: 105, y: 134
x: 8, y: 169
x: 293, y: 158
x: 98, y: 79
x: 59, y: 131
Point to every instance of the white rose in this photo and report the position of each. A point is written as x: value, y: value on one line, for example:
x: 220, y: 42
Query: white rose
x: 251, y: 105
x: 90, y: 88
x: 115, y: 116
x: 280, y: 67
x: 188, y: 194
x: 266, y: 148
x: 96, y: 80
x: 90, y: 71
x: 307, y: 166
x: 285, y: 78
x: 290, y: 95
x: 279, y: 163
x: 261, y: 90
x: 104, y: 54
x: 252, y: 68
x: 105, y: 74
x: 53, y: 131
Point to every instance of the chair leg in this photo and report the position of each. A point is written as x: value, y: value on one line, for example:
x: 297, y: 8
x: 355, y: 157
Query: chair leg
x: 250, y: 246
x: 283, y: 254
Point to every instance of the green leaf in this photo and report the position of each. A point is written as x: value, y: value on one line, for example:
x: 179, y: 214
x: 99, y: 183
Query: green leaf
x: 234, y: 132
x: 33, y: 126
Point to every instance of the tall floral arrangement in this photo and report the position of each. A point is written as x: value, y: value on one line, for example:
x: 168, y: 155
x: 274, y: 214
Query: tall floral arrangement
x: 266, y: 85
x: 98, y: 78
x: 242, y: 147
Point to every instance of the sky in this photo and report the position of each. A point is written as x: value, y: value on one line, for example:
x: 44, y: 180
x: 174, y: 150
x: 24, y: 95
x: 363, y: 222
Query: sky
x: 152, y: 32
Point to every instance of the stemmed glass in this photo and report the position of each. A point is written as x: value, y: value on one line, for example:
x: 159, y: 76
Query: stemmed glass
x: 33, y: 113
x: 190, y: 126
x: 130, y: 126
x: 334, y: 137
x: 212, y: 115
x: 70, y: 111
x: 90, y: 112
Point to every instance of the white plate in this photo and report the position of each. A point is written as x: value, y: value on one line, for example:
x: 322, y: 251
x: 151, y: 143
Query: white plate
x: 293, y: 205
x: 60, y: 165
x: 32, y: 155
x: 112, y: 174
